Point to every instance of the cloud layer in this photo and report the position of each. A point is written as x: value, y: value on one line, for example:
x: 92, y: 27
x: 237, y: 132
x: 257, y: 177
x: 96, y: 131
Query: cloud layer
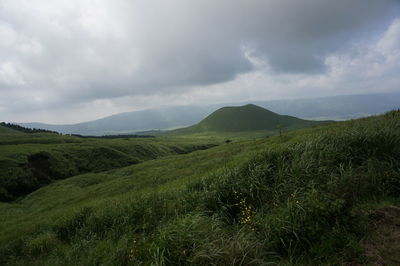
x: 60, y: 59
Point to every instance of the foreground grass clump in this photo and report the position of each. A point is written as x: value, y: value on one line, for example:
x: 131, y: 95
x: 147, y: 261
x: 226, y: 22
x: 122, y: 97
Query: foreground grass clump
x: 302, y: 199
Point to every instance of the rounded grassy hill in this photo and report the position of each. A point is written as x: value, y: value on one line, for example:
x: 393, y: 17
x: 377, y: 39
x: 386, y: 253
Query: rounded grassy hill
x: 248, y: 117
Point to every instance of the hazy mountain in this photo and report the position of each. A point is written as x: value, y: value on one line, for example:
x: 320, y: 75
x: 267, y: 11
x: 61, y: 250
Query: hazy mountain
x: 326, y: 108
x: 130, y: 122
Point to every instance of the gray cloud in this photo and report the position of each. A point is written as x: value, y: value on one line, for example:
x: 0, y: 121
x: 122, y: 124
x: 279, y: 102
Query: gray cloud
x: 59, y: 53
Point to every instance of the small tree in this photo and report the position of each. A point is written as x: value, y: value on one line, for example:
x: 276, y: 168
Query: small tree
x: 281, y: 129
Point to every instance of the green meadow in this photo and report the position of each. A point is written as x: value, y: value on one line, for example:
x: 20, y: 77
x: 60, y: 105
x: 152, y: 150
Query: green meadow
x: 326, y: 195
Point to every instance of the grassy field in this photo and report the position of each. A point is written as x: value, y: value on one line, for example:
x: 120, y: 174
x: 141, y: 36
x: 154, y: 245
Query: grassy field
x: 310, y: 197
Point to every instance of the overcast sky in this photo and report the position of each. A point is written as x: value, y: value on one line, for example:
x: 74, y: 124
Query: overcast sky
x: 66, y: 61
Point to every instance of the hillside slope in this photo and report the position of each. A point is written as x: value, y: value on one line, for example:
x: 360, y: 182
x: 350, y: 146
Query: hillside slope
x: 312, y: 197
x: 6, y: 130
x: 245, y: 118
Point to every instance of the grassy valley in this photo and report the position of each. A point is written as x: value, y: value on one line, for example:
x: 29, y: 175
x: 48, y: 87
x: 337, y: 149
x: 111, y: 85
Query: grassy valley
x: 322, y: 195
x: 30, y: 161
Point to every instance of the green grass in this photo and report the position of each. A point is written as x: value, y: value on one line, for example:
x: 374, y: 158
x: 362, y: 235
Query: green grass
x: 303, y: 198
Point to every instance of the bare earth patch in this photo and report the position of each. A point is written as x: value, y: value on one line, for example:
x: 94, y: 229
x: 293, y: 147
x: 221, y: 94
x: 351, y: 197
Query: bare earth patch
x: 384, y: 246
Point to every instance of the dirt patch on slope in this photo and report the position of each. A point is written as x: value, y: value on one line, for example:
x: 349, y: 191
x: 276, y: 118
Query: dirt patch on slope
x: 384, y: 246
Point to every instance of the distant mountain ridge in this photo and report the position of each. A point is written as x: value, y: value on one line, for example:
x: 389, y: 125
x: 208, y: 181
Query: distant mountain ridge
x: 341, y: 107
x: 245, y: 118
x: 325, y: 108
